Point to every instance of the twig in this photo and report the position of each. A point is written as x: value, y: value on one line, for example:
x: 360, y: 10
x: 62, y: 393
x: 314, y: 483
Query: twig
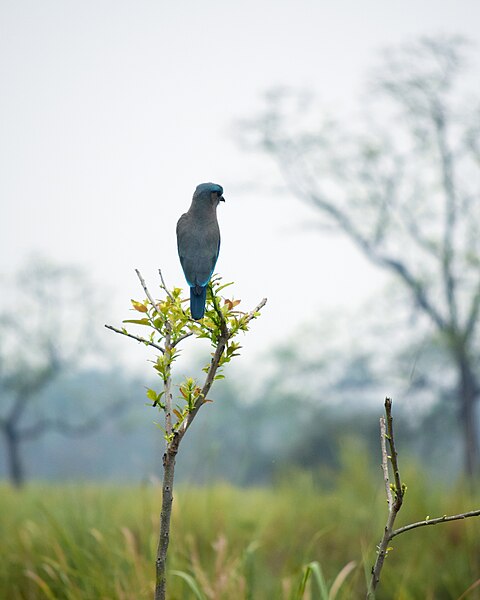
x: 163, y: 286
x: 136, y: 337
x: 145, y: 289
x: 181, y: 338
x: 444, y: 519
x: 383, y: 445
x: 252, y: 314
x: 393, y: 458
x: 167, y: 384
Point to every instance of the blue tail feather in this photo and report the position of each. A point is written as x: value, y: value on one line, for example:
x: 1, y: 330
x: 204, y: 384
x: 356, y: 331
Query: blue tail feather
x: 198, y: 297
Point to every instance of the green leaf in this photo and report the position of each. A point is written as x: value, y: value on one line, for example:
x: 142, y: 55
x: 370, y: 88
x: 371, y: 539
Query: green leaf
x: 144, y: 321
x: 152, y: 394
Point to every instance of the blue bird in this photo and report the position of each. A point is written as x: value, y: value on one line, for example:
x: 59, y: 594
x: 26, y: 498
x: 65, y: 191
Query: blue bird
x: 198, y: 241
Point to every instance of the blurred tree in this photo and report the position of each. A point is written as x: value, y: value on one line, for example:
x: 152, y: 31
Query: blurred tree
x: 45, y: 327
x: 404, y: 187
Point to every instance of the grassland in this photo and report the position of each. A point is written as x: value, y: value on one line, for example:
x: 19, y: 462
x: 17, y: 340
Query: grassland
x: 90, y: 542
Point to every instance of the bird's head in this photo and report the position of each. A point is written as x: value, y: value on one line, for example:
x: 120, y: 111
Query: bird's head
x: 209, y: 192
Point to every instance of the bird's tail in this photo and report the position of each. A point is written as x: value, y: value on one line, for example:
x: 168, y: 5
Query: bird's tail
x: 198, y: 297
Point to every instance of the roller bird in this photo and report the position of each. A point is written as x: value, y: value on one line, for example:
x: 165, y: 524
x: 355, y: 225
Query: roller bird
x: 198, y: 241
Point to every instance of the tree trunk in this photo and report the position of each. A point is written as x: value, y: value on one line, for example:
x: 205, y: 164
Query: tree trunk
x: 14, y: 463
x: 467, y: 390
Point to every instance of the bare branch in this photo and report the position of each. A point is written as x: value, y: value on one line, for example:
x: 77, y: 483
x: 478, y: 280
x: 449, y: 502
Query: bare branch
x: 253, y: 314
x: 444, y: 519
x: 383, y: 260
x: 164, y: 287
x: 145, y: 289
x: 136, y: 337
x: 383, y: 445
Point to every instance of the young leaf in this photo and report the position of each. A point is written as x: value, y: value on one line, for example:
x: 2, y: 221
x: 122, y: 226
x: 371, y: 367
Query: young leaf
x: 144, y: 321
x: 139, y: 306
x: 152, y: 394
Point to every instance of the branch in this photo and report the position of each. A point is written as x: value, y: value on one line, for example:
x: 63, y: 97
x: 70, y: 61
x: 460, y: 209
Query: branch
x: 372, y: 252
x: 145, y: 289
x: 136, y: 337
x: 226, y: 334
x: 444, y: 519
x: 181, y: 338
x: 383, y: 445
x: 253, y: 314
x: 395, y: 506
x: 415, y: 286
x: 304, y: 185
x: 209, y: 379
x: 164, y: 287
x: 167, y: 383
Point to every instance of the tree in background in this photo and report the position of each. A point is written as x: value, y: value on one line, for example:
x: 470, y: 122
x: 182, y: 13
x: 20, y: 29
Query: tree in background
x: 45, y: 328
x: 404, y: 187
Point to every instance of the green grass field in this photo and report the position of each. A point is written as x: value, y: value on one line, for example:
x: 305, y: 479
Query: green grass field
x: 88, y: 542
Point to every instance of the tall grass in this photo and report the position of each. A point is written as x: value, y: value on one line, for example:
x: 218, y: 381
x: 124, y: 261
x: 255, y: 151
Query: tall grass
x: 307, y: 537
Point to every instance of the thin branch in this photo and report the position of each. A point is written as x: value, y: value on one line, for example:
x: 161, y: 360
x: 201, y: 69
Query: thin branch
x: 444, y: 519
x: 382, y: 260
x: 164, y: 287
x: 136, y: 337
x: 383, y: 445
x: 145, y: 289
x: 258, y: 308
x: 312, y: 195
x: 394, y: 456
x: 181, y: 338
x: 167, y: 384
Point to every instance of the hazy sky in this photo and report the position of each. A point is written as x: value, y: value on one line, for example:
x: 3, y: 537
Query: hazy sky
x: 111, y: 112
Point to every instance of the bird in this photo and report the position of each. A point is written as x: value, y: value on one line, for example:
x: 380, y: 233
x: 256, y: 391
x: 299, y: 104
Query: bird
x: 198, y: 242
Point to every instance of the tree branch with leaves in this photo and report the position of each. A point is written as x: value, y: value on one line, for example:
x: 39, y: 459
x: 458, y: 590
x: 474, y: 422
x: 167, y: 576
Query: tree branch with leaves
x: 168, y: 324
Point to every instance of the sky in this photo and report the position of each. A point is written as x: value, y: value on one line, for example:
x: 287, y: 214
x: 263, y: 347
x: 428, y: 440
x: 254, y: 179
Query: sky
x: 111, y: 112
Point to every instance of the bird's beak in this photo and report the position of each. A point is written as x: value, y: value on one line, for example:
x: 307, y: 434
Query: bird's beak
x: 221, y: 199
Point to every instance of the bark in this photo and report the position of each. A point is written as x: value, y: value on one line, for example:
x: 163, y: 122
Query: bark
x: 165, y: 517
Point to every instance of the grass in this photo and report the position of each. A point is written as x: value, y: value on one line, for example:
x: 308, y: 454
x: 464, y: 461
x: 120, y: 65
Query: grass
x: 299, y: 539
